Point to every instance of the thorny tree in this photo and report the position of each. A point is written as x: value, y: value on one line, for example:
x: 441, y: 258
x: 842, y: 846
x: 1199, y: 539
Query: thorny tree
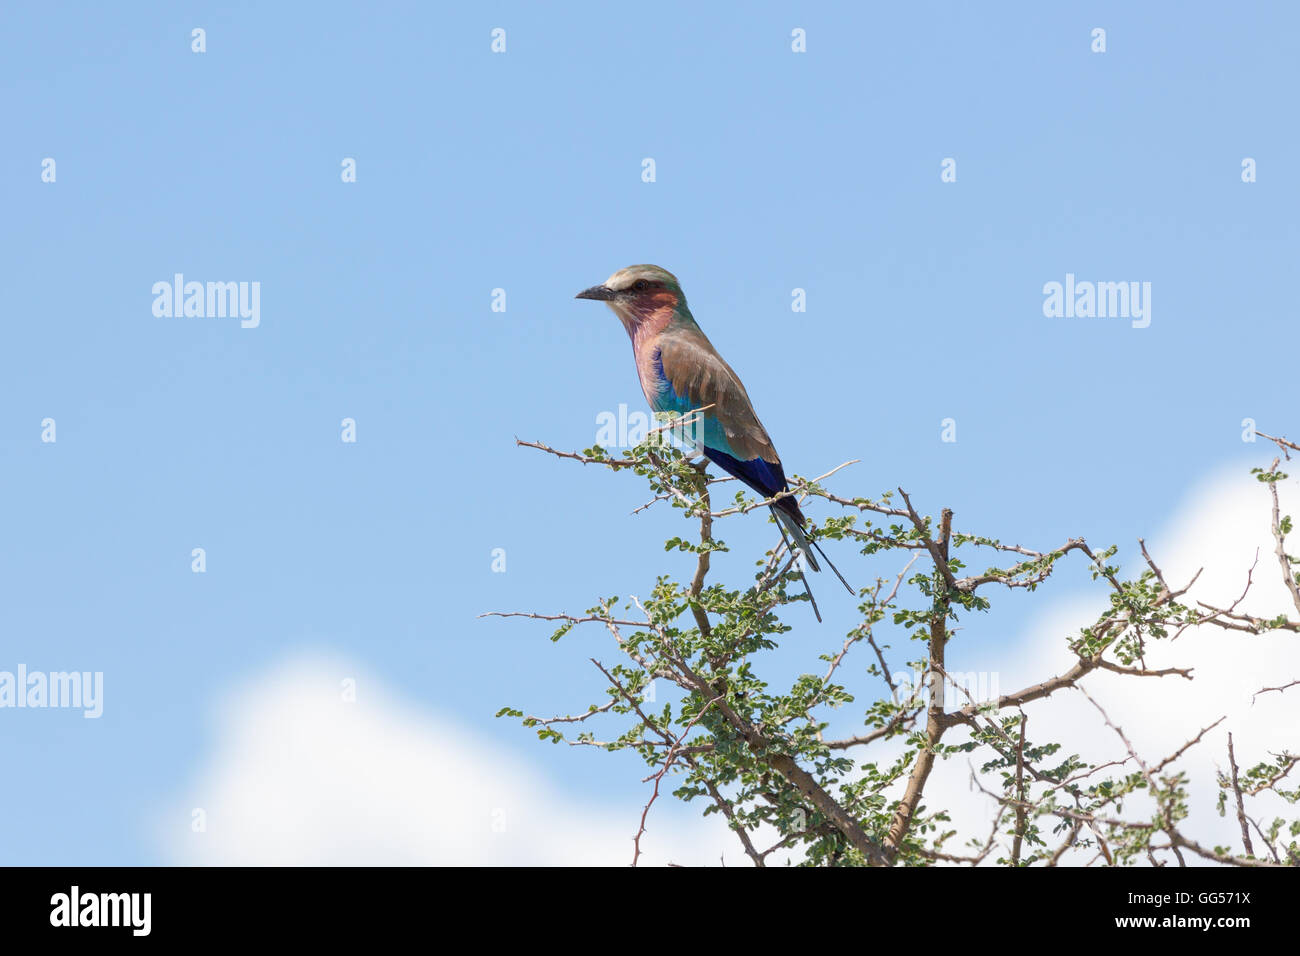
x: 760, y: 756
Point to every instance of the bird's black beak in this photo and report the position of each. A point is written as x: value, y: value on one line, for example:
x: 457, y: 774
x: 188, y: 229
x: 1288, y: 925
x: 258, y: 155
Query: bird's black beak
x: 597, y: 292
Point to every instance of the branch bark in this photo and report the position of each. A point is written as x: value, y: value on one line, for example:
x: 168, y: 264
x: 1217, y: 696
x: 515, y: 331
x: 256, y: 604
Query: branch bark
x: 935, y: 722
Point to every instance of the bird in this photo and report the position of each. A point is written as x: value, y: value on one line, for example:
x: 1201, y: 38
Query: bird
x: 680, y: 371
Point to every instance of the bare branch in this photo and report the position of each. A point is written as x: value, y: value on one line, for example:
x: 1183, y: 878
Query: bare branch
x: 1241, y: 807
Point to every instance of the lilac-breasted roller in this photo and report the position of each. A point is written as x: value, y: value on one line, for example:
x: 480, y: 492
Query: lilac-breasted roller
x: 680, y: 371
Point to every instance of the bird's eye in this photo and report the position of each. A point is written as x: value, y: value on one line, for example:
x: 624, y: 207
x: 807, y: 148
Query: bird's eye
x: 640, y: 285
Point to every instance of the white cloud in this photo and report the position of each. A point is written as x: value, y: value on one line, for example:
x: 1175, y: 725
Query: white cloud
x: 301, y: 777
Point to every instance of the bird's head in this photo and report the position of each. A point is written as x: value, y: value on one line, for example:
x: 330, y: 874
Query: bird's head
x: 638, y: 292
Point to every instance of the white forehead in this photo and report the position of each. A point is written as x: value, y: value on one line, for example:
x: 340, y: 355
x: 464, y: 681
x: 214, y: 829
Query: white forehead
x: 624, y: 278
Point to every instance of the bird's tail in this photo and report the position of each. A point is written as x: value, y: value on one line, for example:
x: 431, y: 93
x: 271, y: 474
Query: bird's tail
x: 784, y: 521
x: 806, y: 545
x: 801, y: 541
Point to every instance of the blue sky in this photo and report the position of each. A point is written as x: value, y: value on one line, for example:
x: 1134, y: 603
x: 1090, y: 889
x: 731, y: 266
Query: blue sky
x: 522, y: 171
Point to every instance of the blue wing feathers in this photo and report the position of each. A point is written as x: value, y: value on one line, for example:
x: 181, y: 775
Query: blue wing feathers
x: 765, y: 477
